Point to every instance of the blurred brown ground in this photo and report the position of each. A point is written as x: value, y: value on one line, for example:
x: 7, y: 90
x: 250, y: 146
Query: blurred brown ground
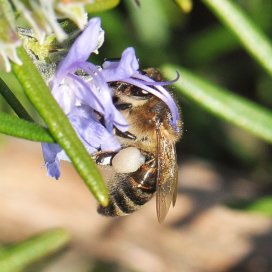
x: 199, y: 235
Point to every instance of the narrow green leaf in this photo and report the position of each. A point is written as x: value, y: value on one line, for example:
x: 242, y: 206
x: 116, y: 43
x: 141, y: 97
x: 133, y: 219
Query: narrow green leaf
x: 250, y: 36
x: 59, y: 126
x: 101, y: 5
x: 13, y: 101
x: 17, y: 257
x: 261, y: 205
x: 224, y: 104
x: 14, y: 126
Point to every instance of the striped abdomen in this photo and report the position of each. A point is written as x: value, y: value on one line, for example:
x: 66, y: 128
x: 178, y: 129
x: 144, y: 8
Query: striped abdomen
x: 128, y: 192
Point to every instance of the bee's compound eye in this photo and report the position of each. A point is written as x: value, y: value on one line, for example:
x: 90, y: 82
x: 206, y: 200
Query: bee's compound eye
x: 140, y: 93
x: 128, y: 160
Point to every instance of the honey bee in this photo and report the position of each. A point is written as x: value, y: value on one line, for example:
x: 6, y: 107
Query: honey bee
x: 147, y: 162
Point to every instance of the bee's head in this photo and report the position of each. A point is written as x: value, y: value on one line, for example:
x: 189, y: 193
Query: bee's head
x: 127, y: 93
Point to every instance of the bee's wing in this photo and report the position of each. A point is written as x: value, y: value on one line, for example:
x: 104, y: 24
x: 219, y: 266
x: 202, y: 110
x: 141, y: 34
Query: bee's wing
x: 167, y: 177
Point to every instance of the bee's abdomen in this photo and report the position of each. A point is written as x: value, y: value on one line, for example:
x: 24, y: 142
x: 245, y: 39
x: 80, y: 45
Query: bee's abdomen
x: 131, y: 191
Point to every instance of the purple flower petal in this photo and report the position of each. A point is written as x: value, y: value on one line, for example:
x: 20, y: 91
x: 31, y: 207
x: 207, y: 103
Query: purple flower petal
x: 52, y: 163
x: 100, y: 100
x: 86, y: 43
x: 150, y: 82
x: 93, y: 135
x: 87, y: 93
x: 65, y: 95
x: 125, y: 68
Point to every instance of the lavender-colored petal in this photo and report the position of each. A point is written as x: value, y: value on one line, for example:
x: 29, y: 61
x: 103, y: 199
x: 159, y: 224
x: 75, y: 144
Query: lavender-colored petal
x: 62, y: 156
x: 97, y: 95
x: 85, y: 125
x: 65, y: 95
x: 87, y: 93
x: 52, y: 163
x: 125, y: 68
x: 161, y: 93
x: 150, y: 82
x: 101, y: 90
x: 86, y: 43
x: 93, y: 135
x: 118, y: 119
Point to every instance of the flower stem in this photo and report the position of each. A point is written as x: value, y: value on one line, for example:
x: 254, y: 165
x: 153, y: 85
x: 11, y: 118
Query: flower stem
x: 59, y: 126
x: 250, y: 36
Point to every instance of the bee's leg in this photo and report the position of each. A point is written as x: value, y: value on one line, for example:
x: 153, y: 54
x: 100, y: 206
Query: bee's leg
x: 126, y: 134
x: 104, y: 158
x: 123, y: 106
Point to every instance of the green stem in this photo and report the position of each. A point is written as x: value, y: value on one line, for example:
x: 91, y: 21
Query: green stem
x: 19, y: 256
x: 252, y: 38
x: 224, y: 104
x: 59, y: 126
x: 14, y: 102
x: 14, y: 126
